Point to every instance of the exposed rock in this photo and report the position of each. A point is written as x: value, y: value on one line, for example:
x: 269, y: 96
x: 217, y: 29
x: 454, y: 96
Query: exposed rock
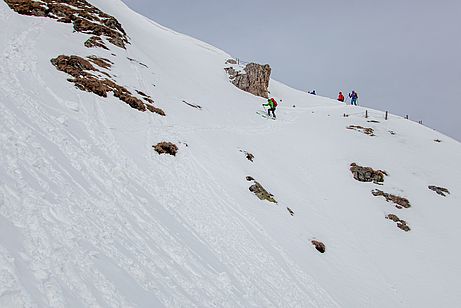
x: 231, y: 61
x: 259, y: 191
x: 373, y: 121
x: 290, y: 211
x: 399, y: 201
x: 367, y: 174
x: 85, y: 17
x: 437, y: 140
x: 166, y: 148
x: 84, y: 79
x: 391, y: 132
x: 192, y: 105
x: 319, y: 246
x: 439, y: 190
x: 250, y: 156
x: 101, y: 62
x: 402, y: 224
x: 136, y: 61
x: 366, y: 130
x: 254, y: 80
x: 150, y: 106
x: 95, y: 41
x: 155, y: 110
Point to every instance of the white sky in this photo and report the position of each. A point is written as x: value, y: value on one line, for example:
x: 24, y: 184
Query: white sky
x: 399, y: 55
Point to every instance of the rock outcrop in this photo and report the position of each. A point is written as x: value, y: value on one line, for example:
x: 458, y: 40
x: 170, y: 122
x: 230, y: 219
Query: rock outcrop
x: 166, y: 148
x: 366, y: 130
x: 85, y: 77
x: 402, y: 224
x: 248, y: 155
x: 439, y: 190
x: 319, y: 246
x: 399, y: 201
x: 367, y: 174
x: 259, y: 191
x: 85, y: 18
x: 254, y: 79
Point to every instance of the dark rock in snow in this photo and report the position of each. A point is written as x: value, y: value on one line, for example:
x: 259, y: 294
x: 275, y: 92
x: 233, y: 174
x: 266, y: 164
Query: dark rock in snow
x: 439, y: 190
x: 399, y: 201
x: 367, y: 174
x: 259, y: 191
x: 402, y: 224
x: 166, y: 148
x: 366, y: 130
x: 319, y: 246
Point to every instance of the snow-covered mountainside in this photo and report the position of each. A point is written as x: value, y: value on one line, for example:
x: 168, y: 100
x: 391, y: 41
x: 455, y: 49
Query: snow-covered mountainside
x: 92, y: 216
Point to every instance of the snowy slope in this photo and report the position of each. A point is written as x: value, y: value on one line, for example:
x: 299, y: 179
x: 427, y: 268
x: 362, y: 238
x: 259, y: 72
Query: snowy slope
x: 91, y: 216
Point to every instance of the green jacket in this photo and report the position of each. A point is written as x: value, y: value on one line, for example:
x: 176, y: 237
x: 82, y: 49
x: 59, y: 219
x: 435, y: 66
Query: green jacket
x: 270, y: 103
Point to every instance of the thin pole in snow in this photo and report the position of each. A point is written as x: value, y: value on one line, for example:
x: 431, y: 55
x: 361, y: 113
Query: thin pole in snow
x: 385, y: 117
x: 406, y: 116
x: 366, y: 114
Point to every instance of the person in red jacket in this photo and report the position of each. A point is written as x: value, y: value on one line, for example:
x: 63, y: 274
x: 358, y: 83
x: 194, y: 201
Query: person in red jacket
x: 341, y: 97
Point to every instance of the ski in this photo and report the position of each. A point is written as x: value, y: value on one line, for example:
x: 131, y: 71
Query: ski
x: 265, y: 115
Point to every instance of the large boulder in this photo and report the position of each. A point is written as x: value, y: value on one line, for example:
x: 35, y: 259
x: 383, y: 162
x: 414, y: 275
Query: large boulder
x: 253, y: 79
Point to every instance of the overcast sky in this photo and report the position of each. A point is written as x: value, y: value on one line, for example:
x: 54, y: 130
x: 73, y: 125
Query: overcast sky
x: 399, y: 55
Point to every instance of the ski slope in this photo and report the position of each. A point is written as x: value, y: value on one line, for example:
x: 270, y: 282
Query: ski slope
x: 91, y: 216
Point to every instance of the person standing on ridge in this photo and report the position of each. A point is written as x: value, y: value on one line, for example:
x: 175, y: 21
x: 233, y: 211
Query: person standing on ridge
x: 272, y: 103
x: 354, y: 96
x: 341, y: 97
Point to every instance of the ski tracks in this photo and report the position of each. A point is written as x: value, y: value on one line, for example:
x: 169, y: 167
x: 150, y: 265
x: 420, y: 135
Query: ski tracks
x: 241, y: 248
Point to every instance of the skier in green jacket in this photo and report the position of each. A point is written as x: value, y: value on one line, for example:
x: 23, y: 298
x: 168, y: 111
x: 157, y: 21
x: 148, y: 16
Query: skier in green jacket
x: 272, y: 103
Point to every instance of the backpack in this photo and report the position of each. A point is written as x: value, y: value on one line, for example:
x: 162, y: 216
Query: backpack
x: 274, y: 102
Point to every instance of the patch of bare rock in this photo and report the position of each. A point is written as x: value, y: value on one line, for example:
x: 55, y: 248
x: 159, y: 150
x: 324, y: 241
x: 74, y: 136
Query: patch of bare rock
x: 366, y: 130
x: 248, y: 155
x: 319, y: 246
x: 439, y: 190
x: 85, y: 18
x: 85, y: 78
x: 94, y: 42
x: 166, y: 148
x: 367, y: 174
x: 192, y: 105
x: 402, y: 224
x: 151, y: 102
x: 254, y: 79
x: 399, y: 202
x: 259, y: 190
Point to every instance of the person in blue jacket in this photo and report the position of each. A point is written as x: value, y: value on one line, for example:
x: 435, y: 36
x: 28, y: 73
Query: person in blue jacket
x: 354, y: 97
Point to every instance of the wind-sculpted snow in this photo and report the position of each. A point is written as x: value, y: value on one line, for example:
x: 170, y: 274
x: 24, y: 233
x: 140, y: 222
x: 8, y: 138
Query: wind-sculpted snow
x: 92, y: 216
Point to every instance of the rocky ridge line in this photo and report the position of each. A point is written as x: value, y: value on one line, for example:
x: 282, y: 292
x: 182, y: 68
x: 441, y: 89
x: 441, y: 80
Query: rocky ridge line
x: 85, y: 18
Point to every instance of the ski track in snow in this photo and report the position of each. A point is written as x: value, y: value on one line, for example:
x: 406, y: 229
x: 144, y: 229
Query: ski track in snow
x: 81, y: 239
x: 91, y: 216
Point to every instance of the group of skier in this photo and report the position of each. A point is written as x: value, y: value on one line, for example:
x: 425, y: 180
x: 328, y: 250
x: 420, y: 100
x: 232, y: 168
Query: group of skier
x: 353, y: 96
x: 272, y: 103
